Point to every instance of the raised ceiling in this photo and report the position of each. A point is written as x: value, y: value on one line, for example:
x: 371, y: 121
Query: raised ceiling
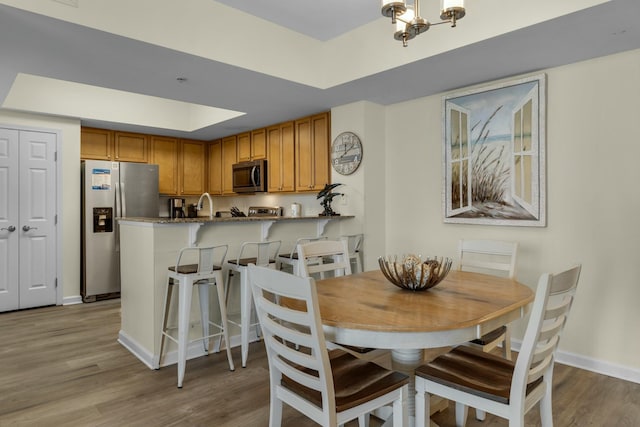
x: 274, y: 60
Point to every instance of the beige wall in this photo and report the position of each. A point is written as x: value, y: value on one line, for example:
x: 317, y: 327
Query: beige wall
x: 593, y: 201
x: 69, y: 220
x: 592, y: 198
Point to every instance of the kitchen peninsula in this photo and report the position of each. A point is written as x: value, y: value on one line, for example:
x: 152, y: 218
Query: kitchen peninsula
x: 148, y: 246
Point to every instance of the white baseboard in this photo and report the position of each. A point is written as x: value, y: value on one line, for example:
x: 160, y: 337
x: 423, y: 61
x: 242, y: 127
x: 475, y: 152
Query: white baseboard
x: 594, y: 365
x: 194, y: 350
x: 76, y: 299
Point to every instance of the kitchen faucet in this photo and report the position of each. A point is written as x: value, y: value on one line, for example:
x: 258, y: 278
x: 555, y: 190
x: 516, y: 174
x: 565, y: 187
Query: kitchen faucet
x: 210, y: 203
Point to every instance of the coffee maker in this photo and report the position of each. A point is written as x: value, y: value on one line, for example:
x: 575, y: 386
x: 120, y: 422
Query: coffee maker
x: 176, y: 208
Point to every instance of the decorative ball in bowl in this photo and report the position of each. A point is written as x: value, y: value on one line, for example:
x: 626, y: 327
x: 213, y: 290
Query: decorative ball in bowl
x: 413, y: 273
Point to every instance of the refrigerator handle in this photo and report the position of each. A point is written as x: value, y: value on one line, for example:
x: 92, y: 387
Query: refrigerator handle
x: 123, y: 202
x: 117, y: 215
x: 117, y: 203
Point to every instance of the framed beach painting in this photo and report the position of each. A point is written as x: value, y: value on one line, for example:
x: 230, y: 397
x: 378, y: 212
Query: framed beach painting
x: 494, y: 154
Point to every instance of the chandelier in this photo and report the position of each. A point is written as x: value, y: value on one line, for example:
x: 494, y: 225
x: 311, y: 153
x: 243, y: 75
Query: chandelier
x: 408, y: 21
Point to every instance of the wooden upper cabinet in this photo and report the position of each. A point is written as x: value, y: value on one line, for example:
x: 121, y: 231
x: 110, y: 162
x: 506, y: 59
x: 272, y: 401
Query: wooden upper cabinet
x: 312, y: 152
x: 214, y: 156
x: 252, y: 145
x: 96, y: 144
x: 259, y: 144
x: 280, y: 157
x: 192, y: 167
x: 164, y: 153
x: 229, y: 158
x: 244, y: 146
x: 130, y: 147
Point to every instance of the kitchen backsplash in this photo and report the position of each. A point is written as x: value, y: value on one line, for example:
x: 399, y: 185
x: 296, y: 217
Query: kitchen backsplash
x: 310, y: 205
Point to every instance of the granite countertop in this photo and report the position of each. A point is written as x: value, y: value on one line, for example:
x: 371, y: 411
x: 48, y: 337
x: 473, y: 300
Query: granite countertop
x: 204, y: 219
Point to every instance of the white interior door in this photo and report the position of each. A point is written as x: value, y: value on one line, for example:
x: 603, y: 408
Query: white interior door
x: 28, y: 195
x: 9, y: 221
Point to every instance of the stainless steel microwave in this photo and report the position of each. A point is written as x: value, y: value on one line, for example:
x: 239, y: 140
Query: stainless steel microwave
x: 250, y: 177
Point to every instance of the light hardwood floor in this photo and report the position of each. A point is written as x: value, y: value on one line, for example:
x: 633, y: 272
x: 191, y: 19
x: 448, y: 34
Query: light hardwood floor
x: 62, y: 366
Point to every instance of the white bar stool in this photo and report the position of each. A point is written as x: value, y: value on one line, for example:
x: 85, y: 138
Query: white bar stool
x: 207, y: 272
x: 258, y: 253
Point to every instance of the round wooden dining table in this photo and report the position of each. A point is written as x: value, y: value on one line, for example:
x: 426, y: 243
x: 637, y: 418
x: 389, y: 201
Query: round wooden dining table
x: 366, y: 310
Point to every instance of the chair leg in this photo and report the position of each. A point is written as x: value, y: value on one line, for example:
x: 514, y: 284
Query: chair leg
x: 506, y: 349
x: 223, y: 319
x: 423, y: 408
x: 245, y: 316
x: 546, y: 407
x: 203, y: 295
x: 400, y: 410
x: 275, y: 411
x: 165, y: 316
x: 184, y: 310
x: 461, y: 414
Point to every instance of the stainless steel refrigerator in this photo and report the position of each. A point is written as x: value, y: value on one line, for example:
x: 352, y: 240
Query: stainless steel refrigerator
x: 111, y: 190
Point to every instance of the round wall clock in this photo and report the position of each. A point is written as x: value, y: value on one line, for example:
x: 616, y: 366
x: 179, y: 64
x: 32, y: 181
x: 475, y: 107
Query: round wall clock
x: 346, y: 153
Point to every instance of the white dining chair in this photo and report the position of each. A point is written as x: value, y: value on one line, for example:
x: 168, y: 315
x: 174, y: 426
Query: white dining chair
x: 333, y: 253
x: 336, y: 261
x: 494, y: 257
x: 291, y: 258
x: 508, y: 389
x: 331, y: 388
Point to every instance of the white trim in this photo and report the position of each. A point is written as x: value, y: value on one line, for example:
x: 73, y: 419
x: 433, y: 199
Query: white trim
x: 137, y: 350
x: 75, y: 299
x: 194, y: 350
x: 594, y: 365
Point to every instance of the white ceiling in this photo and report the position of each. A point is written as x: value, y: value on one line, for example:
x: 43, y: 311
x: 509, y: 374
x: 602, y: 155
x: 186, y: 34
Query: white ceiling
x: 59, y: 48
x: 320, y: 19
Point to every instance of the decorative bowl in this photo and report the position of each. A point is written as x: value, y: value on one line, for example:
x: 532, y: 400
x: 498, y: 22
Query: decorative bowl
x: 413, y: 273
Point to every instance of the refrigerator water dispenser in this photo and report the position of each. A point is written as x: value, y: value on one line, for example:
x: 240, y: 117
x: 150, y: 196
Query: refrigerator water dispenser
x: 102, y: 220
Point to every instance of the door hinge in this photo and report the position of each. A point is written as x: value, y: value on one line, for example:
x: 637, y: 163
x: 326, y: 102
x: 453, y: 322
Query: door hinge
x: 56, y: 283
x: 55, y: 156
x: 55, y: 219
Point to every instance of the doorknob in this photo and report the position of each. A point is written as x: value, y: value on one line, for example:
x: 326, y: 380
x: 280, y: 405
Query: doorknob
x: 27, y: 228
x: 11, y: 229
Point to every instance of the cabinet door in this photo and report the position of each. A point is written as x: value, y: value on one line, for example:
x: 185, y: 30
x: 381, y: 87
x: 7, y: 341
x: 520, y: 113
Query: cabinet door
x: 288, y: 157
x: 244, y: 147
x: 96, y: 144
x: 320, y: 130
x: 215, y: 167
x: 229, y: 158
x: 192, y: 167
x: 312, y: 152
x: 164, y: 153
x: 280, y: 166
x: 304, y: 155
x: 259, y: 144
x: 131, y: 147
